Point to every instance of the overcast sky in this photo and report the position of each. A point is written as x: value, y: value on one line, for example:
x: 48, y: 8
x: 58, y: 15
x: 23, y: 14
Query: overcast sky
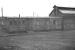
x: 29, y: 7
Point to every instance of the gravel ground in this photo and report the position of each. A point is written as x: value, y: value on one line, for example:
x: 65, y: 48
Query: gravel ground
x: 58, y: 40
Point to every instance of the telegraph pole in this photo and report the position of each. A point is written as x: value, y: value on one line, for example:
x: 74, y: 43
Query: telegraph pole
x: 33, y: 13
x: 2, y: 15
x: 19, y: 15
x: 2, y: 12
x: 37, y: 14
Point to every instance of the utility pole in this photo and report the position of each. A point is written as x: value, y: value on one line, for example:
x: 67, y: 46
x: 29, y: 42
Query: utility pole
x: 37, y: 15
x: 19, y: 15
x: 2, y: 16
x: 2, y: 11
x: 33, y: 13
x: 37, y: 12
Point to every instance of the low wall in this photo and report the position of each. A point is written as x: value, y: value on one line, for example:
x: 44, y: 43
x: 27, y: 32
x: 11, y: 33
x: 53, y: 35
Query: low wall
x: 69, y: 24
x: 32, y: 24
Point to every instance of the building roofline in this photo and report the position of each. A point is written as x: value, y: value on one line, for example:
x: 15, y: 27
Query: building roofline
x: 64, y: 8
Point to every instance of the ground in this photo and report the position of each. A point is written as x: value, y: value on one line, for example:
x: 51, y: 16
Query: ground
x: 53, y: 40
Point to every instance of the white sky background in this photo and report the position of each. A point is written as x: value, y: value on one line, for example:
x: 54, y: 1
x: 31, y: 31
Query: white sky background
x: 27, y: 7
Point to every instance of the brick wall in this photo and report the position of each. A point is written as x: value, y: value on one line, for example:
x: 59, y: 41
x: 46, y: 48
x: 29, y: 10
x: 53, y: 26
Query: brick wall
x: 41, y: 24
x: 46, y: 23
x: 31, y: 24
x: 55, y: 23
x: 69, y: 24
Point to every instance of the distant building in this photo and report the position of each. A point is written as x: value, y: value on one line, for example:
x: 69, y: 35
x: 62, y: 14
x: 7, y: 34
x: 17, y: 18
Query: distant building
x: 67, y: 14
x: 61, y: 18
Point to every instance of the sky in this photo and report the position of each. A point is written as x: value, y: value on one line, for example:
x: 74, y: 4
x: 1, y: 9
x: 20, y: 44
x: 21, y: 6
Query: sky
x: 32, y: 8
